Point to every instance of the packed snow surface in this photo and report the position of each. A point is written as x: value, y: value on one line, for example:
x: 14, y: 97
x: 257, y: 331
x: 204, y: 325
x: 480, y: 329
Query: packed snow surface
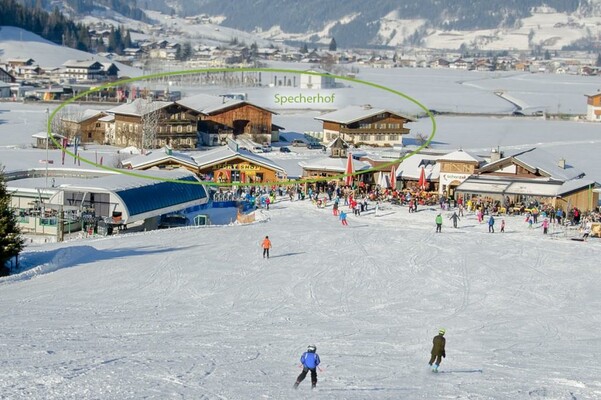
x: 198, y: 313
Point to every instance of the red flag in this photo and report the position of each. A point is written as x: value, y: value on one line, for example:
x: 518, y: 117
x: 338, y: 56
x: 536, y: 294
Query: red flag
x: 393, y: 177
x: 422, y: 179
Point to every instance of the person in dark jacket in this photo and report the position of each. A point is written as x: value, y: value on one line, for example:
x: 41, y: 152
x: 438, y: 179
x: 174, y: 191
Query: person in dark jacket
x: 438, y: 351
x: 310, y: 360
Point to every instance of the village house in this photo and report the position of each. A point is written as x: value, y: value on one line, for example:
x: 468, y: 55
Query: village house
x: 365, y: 125
x: 335, y: 164
x: 89, y: 70
x: 220, y: 119
x: 87, y: 126
x: 456, y: 167
x: 191, y: 122
x: 317, y: 82
x: 231, y: 164
x: 531, y: 176
x: 151, y: 124
x: 593, y: 107
x: 164, y: 158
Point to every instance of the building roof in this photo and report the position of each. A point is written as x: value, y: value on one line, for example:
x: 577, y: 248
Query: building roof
x: 82, y: 117
x: 157, y: 157
x: 148, y: 192
x: 139, y: 107
x: 535, y: 159
x: 44, y: 135
x: 81, y: 63
x: 331, y: 164
x: 528, y: 187
x: 410, y: 168
x: 207, y: 104
x: 461, y: 155
x: 225, y: 153
x: 352, y: 114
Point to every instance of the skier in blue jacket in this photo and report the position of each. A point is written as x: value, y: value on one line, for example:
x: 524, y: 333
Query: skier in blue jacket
x: 310, y: 361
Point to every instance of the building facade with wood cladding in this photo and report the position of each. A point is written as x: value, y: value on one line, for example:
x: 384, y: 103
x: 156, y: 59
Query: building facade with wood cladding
x: 365, y: 125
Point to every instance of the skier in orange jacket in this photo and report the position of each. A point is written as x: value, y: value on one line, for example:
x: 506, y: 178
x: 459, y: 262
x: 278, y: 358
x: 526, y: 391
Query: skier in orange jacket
x: 266, y: 246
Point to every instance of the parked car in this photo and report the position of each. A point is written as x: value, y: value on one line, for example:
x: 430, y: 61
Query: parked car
x: 257, y: 149
x: 315, y: 145
x: 284, y: 149
x: 299, y: 143
x: 266, y: 148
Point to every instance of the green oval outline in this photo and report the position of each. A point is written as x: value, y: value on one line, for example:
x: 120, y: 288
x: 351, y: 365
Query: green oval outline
x: 212, y: 70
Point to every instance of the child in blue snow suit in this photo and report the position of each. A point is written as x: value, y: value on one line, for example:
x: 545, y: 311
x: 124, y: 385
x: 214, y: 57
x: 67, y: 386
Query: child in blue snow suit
x: 310, y: 361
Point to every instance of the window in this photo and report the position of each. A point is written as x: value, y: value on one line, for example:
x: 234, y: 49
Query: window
x: 179, y: 129
x: 393, y: 138
x: 382, y: 126
x: 365, y: 126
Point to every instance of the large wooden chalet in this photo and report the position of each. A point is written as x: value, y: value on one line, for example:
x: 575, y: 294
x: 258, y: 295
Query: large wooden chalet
x: 190, y: 122
x: 365, y: 125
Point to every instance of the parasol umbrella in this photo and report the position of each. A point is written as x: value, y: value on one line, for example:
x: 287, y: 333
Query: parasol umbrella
x: 348, y: 179
x: 422, y: 180
x: 393, y: 177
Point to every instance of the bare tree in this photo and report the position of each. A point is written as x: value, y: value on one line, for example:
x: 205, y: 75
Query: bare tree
x: 150, y: 117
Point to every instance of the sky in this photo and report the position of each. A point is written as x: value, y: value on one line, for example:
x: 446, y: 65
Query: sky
x: 197, y: 313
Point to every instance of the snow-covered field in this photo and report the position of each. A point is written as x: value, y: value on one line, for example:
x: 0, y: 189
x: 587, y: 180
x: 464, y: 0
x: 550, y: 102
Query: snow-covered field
x: 197, y: 313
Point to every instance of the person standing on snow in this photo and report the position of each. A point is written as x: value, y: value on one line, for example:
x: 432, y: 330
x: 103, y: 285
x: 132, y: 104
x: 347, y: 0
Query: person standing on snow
x: 503, y: 225
x: 491, y: 224
x: 343, y: 218
x: 455, y: 218
x: 266, y: 246
x: 310, y: 360
x: 545, y: 226
x: 438, y: 221
x: 438, y: 350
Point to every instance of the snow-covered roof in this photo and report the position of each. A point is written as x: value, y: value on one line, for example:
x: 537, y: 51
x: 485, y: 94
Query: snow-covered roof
x: 81, y: 63
x: 107, y: 118
x: 460, y: 155
x: 138, y: 106
x: 158, y: 156
x: 528, y: 187
x: 81, y: 117
x: 537, y: 159
x: 224, y: 153
x: 333, y: 164
x: 44, y: 135
x: 352, y: 114
x: 410, y: 168
x: 207, y: 104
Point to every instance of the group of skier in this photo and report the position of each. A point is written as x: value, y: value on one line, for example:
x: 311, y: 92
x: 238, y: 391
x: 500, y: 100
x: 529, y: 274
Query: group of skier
x: 310, y: 359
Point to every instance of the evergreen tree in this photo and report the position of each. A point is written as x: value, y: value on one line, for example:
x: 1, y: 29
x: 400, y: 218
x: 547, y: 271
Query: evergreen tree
x: 598, y: 63
x: 304, y: 48
x: 11, y: 242
x: 333, y: 45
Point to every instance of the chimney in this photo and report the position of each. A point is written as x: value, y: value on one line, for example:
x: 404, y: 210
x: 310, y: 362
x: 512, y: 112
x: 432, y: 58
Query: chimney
x: 562, y: 163
x: 495, y: 155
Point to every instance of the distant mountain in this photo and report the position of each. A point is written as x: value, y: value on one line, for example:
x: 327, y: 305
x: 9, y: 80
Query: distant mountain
x: 358, y: 22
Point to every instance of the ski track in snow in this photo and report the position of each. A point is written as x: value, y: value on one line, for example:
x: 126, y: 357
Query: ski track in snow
x: 199, y: 313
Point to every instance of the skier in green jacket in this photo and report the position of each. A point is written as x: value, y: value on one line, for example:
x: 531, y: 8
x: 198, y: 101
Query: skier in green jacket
x: 438, y: 222
x: 438, y: 351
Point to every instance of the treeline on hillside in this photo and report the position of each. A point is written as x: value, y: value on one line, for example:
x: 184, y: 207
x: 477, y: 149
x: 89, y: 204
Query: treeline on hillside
x: 298, y: 17
x: 56, y: 28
